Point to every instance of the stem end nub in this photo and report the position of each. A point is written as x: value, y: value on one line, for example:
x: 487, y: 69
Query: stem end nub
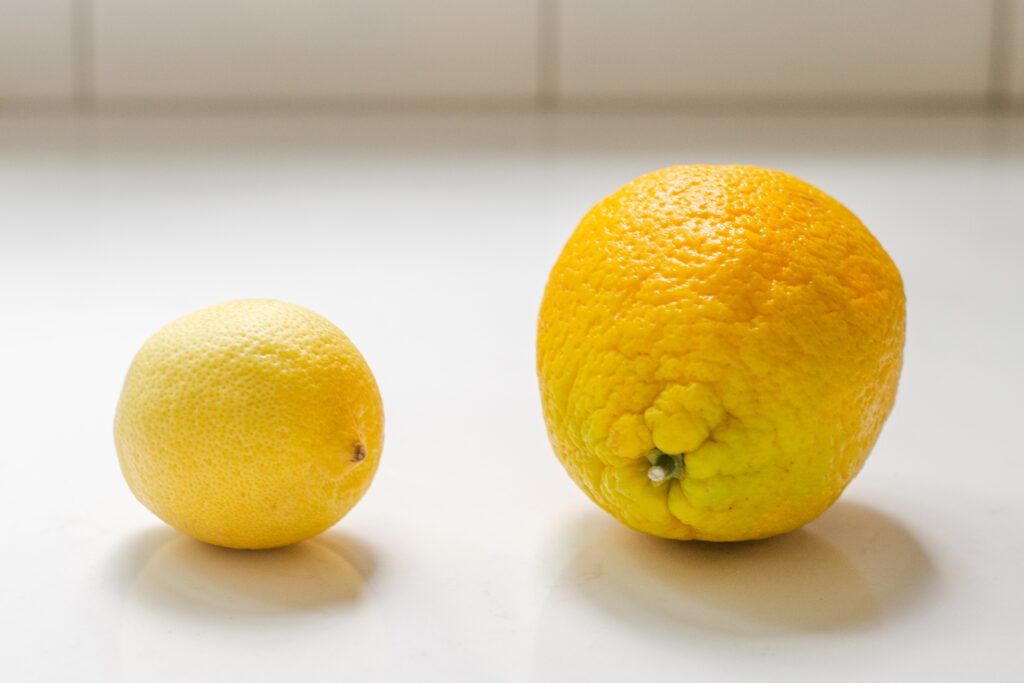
x: 664, y: 466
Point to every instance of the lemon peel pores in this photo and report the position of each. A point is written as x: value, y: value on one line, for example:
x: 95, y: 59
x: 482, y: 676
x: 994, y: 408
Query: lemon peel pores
x: 249, y: 424
x: 718, y: 348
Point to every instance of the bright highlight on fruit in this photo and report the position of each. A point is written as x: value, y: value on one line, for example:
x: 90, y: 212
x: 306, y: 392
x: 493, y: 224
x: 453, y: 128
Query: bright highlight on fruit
x: 718, y: 349
x: 249, y: 424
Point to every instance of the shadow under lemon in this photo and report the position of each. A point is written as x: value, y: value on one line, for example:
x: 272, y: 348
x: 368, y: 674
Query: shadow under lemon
x: 196, y: 611
x: 851, y: 567
x: 170, y: 570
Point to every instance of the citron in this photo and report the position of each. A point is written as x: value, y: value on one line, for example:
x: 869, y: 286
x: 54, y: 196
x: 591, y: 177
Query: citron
x: 249, y: 424
x: 718, y: 349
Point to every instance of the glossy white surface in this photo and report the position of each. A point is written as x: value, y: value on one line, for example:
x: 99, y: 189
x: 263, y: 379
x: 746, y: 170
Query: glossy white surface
x: 473, y: 557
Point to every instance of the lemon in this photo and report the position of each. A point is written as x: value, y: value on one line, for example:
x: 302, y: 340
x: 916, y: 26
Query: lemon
x: 249, y: 424
x: 718, y: 348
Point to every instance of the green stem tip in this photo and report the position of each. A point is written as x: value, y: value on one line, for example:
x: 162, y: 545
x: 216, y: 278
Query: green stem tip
x: 664, y: 466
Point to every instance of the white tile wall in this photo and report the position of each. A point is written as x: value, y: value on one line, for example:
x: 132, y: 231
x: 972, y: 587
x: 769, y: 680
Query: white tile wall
x: 316, y: 47
x: 571, y: 50
x: 35, y: 48
x: 1016, y: 50
x: 833, y: 48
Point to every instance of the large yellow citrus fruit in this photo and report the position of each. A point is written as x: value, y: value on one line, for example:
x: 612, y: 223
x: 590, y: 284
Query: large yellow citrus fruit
x: 718, y: 349
x: 249, y: 424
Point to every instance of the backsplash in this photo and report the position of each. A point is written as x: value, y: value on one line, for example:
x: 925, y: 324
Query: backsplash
x: 540, y: 52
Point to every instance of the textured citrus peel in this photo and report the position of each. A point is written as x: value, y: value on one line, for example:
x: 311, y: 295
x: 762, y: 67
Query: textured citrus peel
x: 249, y: 424
x: 732, y: 314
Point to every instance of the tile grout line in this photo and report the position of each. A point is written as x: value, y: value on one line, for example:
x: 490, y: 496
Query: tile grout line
x: 547, y: 46
x: 83, y: 52
x: 314, y: 105
x: 999, y: 57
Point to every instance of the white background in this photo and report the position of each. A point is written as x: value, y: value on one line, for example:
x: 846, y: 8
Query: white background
x: 473, y: 557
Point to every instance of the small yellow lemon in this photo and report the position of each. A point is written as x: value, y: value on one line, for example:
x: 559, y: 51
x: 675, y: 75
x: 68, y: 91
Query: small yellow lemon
x: 718, y: 348
x: 249, y: 424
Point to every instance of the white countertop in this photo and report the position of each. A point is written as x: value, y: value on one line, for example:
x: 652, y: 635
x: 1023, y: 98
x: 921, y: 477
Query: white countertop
x: 473, y: 557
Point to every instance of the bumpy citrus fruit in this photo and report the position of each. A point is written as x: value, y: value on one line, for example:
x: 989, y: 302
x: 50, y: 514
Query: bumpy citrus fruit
x: 249, y: 424
x: 718, y: 349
